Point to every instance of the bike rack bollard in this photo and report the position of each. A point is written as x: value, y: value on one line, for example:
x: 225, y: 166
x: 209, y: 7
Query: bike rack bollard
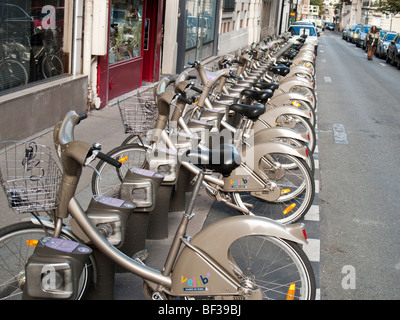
x: 103, y: 288
x: 177, y: 203
x: 158, y: 218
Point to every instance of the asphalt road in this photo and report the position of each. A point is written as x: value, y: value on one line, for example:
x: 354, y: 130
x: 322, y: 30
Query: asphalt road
x: 359, y: 147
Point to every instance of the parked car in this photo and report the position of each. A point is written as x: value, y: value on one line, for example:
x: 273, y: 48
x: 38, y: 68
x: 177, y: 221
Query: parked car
x: 16, y: 21
x: 298, y: 30
x: 349, y: 33
x: 302, y: 23
x: 383, y: 32
x: 330, y: 26
x: 393, y: 50
x: 382, y: 47
x: 355, y: 36
x: 361, y: 42
x: 344, y: 33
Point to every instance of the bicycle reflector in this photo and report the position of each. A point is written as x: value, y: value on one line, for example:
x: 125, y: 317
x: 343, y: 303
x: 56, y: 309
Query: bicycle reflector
x: 296, y: 104
x: 291, y: 291
x: 122, y: 160
x: 32, y: 243
x: 289, y: 208
x: 303, y: 229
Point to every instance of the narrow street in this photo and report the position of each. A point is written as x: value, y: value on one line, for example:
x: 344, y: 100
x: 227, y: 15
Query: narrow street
x: 358, y: 133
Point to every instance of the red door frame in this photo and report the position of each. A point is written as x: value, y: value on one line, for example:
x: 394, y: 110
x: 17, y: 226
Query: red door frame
x: 151, y: 57
x: 125, y: 76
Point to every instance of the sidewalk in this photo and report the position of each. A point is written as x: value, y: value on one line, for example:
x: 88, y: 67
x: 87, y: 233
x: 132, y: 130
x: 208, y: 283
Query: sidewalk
x: 105, y: 126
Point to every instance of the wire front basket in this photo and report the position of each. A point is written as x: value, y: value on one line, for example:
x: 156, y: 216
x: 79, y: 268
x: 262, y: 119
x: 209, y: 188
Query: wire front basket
x: 138, y: 114
x: 29, y: 176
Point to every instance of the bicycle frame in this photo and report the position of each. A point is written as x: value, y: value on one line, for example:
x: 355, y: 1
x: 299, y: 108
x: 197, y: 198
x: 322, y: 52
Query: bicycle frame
x: 210, y: 79
x: 199, y: 253
x: 255, y: 179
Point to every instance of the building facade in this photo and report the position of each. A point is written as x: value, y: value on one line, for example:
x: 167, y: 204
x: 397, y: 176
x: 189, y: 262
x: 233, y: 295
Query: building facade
x: 39, y: 80
x: 59, y: 55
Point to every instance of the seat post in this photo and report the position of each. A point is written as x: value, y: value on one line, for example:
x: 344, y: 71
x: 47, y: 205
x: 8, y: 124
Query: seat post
x: 196, y: 190
x: 181, y: 231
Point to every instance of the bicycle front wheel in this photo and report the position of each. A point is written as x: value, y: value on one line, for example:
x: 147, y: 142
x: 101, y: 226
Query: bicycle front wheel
x: 108, y: 181
x: 277, y: 268
x: 52, y: 66
x: 12, y: 74
x: 14, y: 254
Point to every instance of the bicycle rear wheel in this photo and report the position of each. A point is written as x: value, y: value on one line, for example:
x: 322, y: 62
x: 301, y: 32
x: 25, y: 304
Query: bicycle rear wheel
x: 14, y: 254
x: 300, y: 125
x: 278, y: 269
x: 109, y: 181
x: 309, y: 93
x: 297, y: 189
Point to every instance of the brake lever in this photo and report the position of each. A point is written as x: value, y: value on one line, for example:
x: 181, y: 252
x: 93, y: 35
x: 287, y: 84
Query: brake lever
x: 94, y: 150
x: 94, y: 169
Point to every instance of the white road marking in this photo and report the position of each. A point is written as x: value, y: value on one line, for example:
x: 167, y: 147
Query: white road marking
x: 339, y: 134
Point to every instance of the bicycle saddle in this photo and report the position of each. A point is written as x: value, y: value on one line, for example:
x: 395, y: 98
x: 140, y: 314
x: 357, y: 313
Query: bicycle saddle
x: 286, y: 63
x: 289, y: 55
x: 223, y: 160
x: 251, y: 111
x: 260, y: 96
x: 281, y: 70
x: 266, y: 85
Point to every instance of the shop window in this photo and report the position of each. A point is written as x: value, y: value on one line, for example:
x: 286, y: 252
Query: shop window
x: 200, y: 29
x: 200, y: 21
x: 125, y: 30
x: 31, y: 42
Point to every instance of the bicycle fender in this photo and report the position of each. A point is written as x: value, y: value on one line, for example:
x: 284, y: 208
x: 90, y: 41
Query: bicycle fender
x: 252, y: 154
x: 272, y: 115
x: 203, y: 267
x: 285, y: 97
x: 47, y: 223
x: 295, y: 81
x: 299, y: 69
x: 266, y: 134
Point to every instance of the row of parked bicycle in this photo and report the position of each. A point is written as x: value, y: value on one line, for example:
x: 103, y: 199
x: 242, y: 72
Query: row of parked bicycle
x: 388, y: 47
x: 246, y: 132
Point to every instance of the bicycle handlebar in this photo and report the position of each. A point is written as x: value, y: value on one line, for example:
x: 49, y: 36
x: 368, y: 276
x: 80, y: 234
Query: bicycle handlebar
x: 198, y: 90
x: 109, y: 160
x: 187, y: 101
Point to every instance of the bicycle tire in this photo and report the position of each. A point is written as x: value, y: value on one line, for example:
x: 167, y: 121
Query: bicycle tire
x: 292, y: 204
x: 51, y: 66
x: 14, y: 253
x: 130, y: 155
x: 273, y: 265
x: 12, y: 74
x: 134, y: 139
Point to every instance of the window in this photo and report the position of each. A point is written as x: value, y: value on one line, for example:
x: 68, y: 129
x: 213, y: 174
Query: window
x: 228, y: 5
x: 125, y: 30
x: 31, y: 42
x: 299, y: 30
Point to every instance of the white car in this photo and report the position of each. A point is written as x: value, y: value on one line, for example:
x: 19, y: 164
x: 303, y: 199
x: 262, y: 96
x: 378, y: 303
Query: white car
x: 297, y: 30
